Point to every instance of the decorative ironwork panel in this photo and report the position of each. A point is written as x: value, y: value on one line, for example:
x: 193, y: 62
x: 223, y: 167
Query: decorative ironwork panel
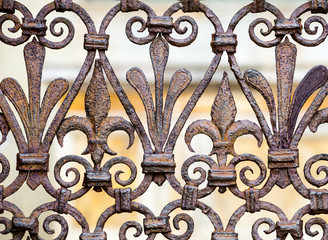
x: 27, y: 116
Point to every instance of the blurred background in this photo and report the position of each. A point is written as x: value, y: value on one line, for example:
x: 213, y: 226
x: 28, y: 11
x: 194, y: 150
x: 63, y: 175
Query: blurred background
x: 196, y: 58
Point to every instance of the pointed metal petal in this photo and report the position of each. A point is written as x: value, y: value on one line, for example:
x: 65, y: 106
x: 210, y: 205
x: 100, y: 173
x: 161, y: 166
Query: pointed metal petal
x: 313, y: 80
x: 34, y: 54
x: 137, y: 80
x: 285, y: 64
x: 319, y: 118
x: 257, y: 81
x: 243, y: 127
x: 224, y: 109
x: 54, y: 92
x: 202, y: 127
x: 112, y: 124
x: 75, y: 123
x: 159, y: 52
x: 16, y: 95
x: 180, y: 81
x: 97, y: 101
x: 4, y: 128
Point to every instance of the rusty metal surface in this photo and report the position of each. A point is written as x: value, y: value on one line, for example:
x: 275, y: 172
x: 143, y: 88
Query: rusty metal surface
x: 159, y: 134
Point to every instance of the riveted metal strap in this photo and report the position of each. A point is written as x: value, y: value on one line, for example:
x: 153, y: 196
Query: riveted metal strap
x: 287, y: 26
x: 97, y: 179
x: 63, y: 5
x: 129, y: 5
x: 258, y: 6
x: 319, y: 201
x: 33, y: 26
x: 94, y: 236
x: 223, y: 177
x: 156, y: 225
x: 1, y: 199
x: 252, y: 200
x: 224, y: 42
x: 224, y: 236
x: 292, y: 227
x: 190, y: 5
x: 189, y: 197
x: 96, y: 41
x: 283, y: 158
x: 160, y: 24
x: 123, y: 200
x: 32, y: 161
x: 158, y: 163
x: 63, y: 196
x: 7, y: 6
x: 25, y: 224
x: 319, y: 6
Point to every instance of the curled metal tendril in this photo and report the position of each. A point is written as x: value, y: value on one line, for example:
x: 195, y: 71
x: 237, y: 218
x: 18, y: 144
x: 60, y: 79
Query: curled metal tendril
x: 14, y: 29
x: 5, y: 168
x: 70, y: 159
x: 135, y: 39
x: 59, y: 219
x: 7, y: 223
x: 307, y: 170
x: 264, y: 33
x: 126, y: 226
x: 257, y: 161
x: 196, y: 159
x: 68, y: 38
x: 316, y: 221
x: 190, y: 226
x: 190, y: 38
x: 256, y: 225
x: 125, y: 161
x: 307, y: 27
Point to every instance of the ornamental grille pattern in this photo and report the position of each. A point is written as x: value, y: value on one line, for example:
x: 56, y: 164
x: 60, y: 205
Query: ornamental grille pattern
x: 27, y: 117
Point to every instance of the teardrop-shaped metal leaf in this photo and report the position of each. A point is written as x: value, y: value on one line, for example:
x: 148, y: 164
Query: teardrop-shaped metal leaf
x: 202, y: 127
x: 4, y: 128
x: 257, y: 81
x: 34, y: 54
x: 285, y: 66
x: 137, y: 80
x: 313, y: 80
x: 54, y: 92
x: 243, y: 127
x: 319, y: 118
x: 112, y: 124
x: 97, y: 101
x: 75, y: 123
x: 12, y: 123
x: 16, y: 95
x: 159, y: 52
x: 180, y: 81
x: 224, y: 109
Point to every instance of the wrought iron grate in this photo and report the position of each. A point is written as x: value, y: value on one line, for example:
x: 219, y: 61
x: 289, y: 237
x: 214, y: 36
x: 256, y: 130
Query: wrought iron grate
x: 26, y: 117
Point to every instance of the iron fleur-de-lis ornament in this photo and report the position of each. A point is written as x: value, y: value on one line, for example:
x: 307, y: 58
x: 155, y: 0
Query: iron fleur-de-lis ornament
x: 33, y: 155
x: 96, y: 125
x: 283, y: 139
x: 159, y: 115
x: 223, y: 131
